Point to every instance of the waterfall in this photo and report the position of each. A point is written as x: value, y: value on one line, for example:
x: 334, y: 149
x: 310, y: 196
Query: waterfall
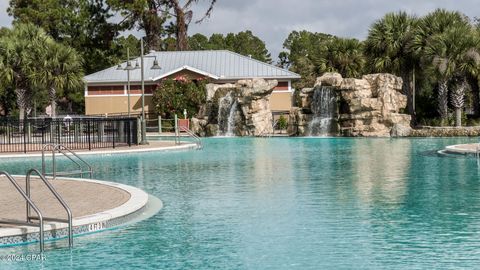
x: 227, y: 110
x: 231, y: 120
x: 323, y: 109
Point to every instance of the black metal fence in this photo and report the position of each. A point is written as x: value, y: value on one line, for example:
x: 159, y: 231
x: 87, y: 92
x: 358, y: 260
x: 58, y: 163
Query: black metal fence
x: 77, y: 133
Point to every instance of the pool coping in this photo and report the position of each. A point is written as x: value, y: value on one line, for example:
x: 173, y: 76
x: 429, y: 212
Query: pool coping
x: 462, y: 149
x: 81, y: 225
x: 184, y: 146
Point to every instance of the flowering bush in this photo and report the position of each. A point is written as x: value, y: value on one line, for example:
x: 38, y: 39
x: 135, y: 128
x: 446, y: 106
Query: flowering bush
x: 174, y: 96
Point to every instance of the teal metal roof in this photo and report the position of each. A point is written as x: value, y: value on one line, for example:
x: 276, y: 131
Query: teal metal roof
x: 220, y: 65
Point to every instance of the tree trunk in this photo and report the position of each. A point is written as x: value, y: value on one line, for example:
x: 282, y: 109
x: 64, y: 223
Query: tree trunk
x: 473, y: 82
x: 458, y: 100
x: 22, y: 102
x: 443, y: 100
x: 153, y: 39
x: 413, y: 90
x: 53, y: 104
x: 407, y: 90
x: 152, y: 24
x: 181, y: 28
x: 21, y: 113
x: 458, y: 117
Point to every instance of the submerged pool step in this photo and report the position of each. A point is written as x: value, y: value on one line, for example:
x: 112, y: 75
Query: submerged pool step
x: 74, y: 172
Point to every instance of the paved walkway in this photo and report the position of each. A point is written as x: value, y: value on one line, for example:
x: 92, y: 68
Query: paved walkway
x: 84, y: 198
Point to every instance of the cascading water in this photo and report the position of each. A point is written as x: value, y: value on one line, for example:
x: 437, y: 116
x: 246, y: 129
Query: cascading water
x: 323, y: 109
x: 227, y: 110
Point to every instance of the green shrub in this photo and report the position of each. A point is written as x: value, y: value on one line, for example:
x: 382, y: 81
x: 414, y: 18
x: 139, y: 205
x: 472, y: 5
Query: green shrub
x: 282, y: 122
x: 174, y: 96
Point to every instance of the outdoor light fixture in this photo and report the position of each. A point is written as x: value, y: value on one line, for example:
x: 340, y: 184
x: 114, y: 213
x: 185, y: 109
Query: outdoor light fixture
x: 128, y: 68
x: 139, y: 66
x: 155, y: 64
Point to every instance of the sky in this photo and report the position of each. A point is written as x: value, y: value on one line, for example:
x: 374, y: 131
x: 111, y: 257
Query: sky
x: 273, y: 20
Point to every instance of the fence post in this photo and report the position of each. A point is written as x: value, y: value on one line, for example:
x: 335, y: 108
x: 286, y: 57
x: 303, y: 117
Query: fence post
x: 88, y: 134
x: 129, y: 132
x: 113, y: 132
x: 60, y: 131
x: 76, y: 127
x: 121, y: 130
x: 159, y: 124
x: 139, y: 130
x: 29, y: 131
x: 52, y: 131
x: 176, y: 129
x: 101, y: 131
x: 24, y: 136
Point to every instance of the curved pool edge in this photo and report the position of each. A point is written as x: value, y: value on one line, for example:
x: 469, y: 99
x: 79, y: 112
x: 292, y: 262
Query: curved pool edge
x: 140, y: 206
x: 182, y: 147
x: 461, y: 149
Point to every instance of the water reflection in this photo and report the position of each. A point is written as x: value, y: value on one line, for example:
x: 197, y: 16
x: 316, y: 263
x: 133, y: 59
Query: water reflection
x: 380, y: 170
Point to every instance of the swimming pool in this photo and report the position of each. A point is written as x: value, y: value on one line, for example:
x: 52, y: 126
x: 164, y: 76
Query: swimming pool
x: 299, y: 203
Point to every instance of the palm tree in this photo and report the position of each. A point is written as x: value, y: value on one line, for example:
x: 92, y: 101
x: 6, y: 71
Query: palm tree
x: 445, y: 43
x: 346, y: 57
x: 23, y: 48
x: 387, y: 48
x: 61, y: 70
x: 467, y: 57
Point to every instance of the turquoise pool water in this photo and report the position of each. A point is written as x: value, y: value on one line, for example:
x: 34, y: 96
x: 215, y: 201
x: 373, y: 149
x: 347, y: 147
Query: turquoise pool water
x: 287, y: 204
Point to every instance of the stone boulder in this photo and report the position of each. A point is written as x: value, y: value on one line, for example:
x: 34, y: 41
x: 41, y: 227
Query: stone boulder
x: 329, y: 79
x: 399, y: 130
x: 249, y: 113
x: 370, y: 106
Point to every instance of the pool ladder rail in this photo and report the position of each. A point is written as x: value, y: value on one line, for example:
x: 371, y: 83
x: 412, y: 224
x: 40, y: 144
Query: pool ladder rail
x: 31, y: 205
x: 191, y: 134
x: 83, y: 167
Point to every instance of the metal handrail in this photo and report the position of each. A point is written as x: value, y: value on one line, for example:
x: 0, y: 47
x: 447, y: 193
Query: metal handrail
x: 61, y: 149
x: 60, y: 200
x: 190, y: 133
x: 31, y: 204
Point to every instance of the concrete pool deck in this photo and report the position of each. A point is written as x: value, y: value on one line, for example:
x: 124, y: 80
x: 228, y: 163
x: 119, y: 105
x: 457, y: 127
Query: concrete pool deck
x: 95, y: 205
x: 462, y: 149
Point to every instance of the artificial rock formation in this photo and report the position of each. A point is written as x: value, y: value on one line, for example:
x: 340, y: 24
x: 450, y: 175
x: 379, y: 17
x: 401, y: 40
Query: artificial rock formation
x: 366, y: 107
x: 236, y: 109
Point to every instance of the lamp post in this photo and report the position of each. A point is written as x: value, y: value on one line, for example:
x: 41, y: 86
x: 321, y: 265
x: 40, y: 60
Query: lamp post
x: 137, y: 66
x: 155, y: 66
x: 128, y: 68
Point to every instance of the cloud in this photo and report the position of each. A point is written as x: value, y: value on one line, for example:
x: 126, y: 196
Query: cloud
x: 5, y: 20
x: 273, y: 20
